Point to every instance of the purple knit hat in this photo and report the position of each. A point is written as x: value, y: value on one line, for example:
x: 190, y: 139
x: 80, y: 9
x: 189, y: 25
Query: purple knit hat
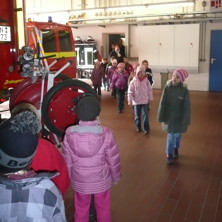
x: 182, y: 73
x: 121, y: 64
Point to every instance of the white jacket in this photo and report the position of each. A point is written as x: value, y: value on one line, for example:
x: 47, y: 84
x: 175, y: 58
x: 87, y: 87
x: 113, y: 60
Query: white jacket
x: 140, y: 92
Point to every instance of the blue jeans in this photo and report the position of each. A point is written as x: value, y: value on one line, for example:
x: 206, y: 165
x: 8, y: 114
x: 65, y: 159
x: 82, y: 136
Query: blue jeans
x: 141, y: 112
x: 120, y: 97
x: 173, y: 142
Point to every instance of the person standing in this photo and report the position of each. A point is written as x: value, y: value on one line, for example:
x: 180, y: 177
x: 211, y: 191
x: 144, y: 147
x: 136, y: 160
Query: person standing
x: 140, y: 94
x: 25, y: 195
x: 111, y: 70
x: 117, y: 54
x: 104, y: 65
x: 93, y: 161
x: 148, y: 71
x: 97, y: 77
x: 120, y: 83
x: 128, y: 66
x: 122, y: 48
x: 174, y: 112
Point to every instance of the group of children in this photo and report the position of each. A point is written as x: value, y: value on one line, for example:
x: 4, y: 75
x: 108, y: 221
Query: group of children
x: 122, y: 78
x: 34, y: 175
x: 90, y: 158
x: 137, y: 81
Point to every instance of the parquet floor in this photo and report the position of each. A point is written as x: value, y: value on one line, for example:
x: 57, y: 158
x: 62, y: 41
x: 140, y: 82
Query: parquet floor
x: 150, y: 191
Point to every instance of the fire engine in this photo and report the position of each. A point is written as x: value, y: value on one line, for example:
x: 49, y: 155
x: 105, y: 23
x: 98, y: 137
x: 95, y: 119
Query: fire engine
x: 38, y: 60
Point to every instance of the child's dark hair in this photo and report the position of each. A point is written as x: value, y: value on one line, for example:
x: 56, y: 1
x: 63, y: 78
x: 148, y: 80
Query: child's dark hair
x: 144, y: 61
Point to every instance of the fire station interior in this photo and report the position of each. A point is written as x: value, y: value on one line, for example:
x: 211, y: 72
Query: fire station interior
x: 185, y: 34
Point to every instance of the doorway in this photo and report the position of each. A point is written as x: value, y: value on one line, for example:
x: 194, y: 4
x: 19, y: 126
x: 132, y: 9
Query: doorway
x: 215, y: 76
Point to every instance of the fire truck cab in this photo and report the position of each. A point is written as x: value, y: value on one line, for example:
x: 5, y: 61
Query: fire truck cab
x: 55, y: 40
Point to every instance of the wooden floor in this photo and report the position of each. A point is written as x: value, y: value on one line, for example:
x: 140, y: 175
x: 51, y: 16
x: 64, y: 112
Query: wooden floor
x: 150, y: 191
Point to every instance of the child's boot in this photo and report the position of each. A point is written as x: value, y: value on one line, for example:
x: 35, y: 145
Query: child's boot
x: 176, y: 153
x: 170, y: 159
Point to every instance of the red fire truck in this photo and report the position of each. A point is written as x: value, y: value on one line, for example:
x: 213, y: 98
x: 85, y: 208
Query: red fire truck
x: 38, y: 60
x: 56, y: 40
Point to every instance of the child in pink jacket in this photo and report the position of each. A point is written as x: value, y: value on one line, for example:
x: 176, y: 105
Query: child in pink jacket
x: 140, y: 94
x: 93, y: 161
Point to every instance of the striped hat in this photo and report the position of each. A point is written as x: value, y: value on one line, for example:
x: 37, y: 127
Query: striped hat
x: 182, y: 73
x: 19, y: 140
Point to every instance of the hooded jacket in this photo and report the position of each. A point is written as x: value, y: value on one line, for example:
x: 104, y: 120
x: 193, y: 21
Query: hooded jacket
x: 32, y: 198
x: 92, y: 157
x: 119, y: 80
x: 140, y: 92
x: 49, y: 158
x: 174, y: 108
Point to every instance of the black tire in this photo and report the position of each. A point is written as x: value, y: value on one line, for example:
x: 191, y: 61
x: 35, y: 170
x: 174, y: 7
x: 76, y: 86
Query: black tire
x: 73, y: 86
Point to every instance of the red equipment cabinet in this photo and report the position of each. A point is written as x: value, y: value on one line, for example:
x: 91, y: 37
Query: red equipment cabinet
x: 9, y: 47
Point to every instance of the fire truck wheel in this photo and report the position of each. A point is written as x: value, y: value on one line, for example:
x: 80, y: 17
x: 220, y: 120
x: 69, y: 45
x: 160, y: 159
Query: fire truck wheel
x: 27, y: 82
x: 59, y: 102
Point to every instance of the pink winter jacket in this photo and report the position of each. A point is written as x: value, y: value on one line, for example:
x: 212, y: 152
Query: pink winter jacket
x: 140, y: 92
x: 92, y: 157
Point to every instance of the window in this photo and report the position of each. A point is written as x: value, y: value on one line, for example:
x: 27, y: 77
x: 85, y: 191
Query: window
x: 48, y: 40
x: 65, y: 41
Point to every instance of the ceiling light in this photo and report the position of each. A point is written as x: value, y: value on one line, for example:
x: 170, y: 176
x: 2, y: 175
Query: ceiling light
x: 130, y: 7
x: 171, y: 4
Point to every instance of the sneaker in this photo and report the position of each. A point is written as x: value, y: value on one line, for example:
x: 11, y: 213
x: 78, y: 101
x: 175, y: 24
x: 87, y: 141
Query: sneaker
x: 146, y: 132
x: 138, y: 130
x: 176, y: 154
x: 170, y: 160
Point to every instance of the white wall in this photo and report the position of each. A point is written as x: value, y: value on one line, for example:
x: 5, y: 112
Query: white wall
x: 199, y: 81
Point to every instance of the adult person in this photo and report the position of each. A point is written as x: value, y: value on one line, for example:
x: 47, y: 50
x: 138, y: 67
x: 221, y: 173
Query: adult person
x: 117, y: 54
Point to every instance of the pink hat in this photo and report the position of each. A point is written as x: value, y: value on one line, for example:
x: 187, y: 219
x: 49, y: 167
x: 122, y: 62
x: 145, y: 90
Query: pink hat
x: 121, y: 64
x: 140, y: 69
x: 182, y: 73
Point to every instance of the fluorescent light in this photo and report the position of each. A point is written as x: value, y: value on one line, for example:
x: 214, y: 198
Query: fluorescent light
x: 171, y: 4
x: 130, y: 7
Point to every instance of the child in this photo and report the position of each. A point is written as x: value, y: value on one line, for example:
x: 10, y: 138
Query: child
x: 104, y: 65
x: 120, y: 83
x: 97, y: 77
x: 175, y: 112
x: 148, y: 71
x: 26, y: 195
x: 93, y: 161
x: 128, y: 66
x: 111, y: 70
x: 47, y: 156
x: 140, y: 95
x: 133, y: 72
